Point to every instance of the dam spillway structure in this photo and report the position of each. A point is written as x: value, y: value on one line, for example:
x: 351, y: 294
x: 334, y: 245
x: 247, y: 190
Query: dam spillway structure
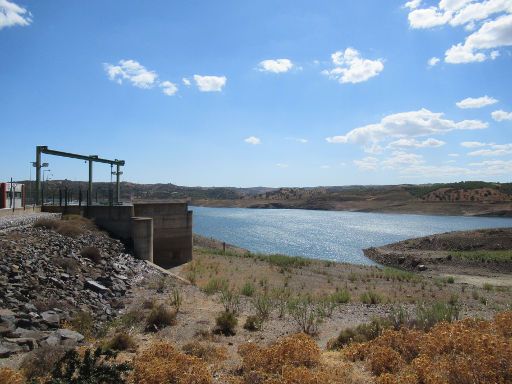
x: 159, y: 232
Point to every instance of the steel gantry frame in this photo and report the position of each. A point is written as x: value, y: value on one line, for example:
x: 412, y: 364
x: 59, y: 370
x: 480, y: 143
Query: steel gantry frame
x: 40, y: 149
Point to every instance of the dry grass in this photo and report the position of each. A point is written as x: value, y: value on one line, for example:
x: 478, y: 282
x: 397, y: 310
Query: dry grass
x: 295, y: 359
x: 9, y: 376
x: 206, y: 351
x: 160, y: 317
x: 69, y: 225
x: 466, y: 351
x: 91, y: 253
x: 40, y: 362
x: 121, y: 341
x: 163, y: 363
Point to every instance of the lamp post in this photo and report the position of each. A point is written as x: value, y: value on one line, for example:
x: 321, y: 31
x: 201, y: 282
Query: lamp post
x: 38, y: 165
x: 42, y: 188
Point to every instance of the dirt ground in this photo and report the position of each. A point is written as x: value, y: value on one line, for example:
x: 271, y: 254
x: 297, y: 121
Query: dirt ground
x: 196, y: 318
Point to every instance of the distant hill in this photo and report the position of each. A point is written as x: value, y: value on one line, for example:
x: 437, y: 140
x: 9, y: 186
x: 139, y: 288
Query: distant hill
x: 461, y: 198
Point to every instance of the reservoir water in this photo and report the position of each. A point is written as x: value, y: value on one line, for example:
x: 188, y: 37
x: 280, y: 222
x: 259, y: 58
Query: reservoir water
x: 326, y: 235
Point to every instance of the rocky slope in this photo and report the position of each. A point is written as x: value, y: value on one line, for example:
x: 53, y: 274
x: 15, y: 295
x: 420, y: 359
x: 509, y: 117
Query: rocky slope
x: 46, y: 278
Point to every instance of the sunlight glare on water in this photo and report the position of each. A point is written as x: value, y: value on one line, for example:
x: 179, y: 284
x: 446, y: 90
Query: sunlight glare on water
x: 327, y: 235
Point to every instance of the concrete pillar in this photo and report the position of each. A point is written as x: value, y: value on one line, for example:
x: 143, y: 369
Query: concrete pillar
x: 89, y: 186
x: 142, y: 235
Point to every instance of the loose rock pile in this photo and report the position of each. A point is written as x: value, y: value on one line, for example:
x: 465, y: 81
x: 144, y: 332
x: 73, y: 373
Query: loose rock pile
x: 44, y: 281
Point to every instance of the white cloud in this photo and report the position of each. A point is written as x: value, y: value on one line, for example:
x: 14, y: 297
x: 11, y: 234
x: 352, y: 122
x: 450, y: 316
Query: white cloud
x: 494, y: 167
x: 406, y: 125
x: 436, y: 171
x: 501, y: 115
x: 12, y: 14
x: 350, y: 67
x: 453, y: 155
x: 427, y: 18
x: 298, y: 139
x: 400, y: 158
x: 492, y: 34
x: 476, y: 11
x: 413, y: 143
x: 253, y: 140
x: 495, y: 55
x: 281, y: 165
x: 433, y: 61
x: 494, y: 150
x: 186, y: 81
x: 275, y: 66
x: 477, y: 102
x: 488, y: 23
x: 132, y: 71
x: 168, y: 88
x: 367, y: 163
x: 413, y: 4
x: 473, y: 144
x: 210, y: 83
x: 453, y: 5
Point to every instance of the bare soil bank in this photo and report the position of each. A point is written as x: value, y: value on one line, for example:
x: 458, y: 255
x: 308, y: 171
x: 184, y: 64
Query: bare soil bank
x: 413, y: 206
x: 474, y: 257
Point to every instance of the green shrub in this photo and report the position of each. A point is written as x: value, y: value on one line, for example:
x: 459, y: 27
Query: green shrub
x: 360, y: 334
x: 230, y: 300
x: 253, y: 323
x: 263, y: 305
x: 305, y: 314
x: 341, y: 296
x: 394, y: 274
x: 94, y: 367
x: 488, y: 287
x: 215, y: 285
x: 429, y: 315
x: 371, y: 298
x: 226, y: 323
x: 450, y: 280
x: 284, y: 261
x: 176, y: 299
x: 281, y: 296
x: 160, y: 317
x: 41, y: 361
x: 399, y: 317
x: 83, y: 322
x: 248, y: 289
x: 121, y: 341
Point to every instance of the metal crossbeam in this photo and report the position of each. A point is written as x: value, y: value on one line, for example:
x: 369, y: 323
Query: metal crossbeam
x: 91, y: 159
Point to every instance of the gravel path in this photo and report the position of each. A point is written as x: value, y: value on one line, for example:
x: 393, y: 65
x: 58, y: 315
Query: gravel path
x: 25, y: 219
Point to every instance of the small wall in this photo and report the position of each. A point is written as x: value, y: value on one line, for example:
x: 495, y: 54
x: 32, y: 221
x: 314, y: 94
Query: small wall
x: 142, y: 235
x: 115, y: 219
x: 172, y: 232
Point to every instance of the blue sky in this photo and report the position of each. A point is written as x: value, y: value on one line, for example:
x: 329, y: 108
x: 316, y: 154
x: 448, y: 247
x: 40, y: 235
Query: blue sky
x: 274, y: 93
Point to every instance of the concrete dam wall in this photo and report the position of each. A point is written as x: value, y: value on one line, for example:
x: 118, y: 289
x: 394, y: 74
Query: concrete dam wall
x: 158, y: 232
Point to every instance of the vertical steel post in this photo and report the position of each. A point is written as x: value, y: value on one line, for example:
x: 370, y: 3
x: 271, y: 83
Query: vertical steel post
x: 38, y: 173
x: 118, y: 184
x: 89, y: 197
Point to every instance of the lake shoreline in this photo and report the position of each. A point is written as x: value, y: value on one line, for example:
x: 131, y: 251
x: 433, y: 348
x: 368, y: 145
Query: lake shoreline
x: 325, y: 235
x: 415, y: 207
